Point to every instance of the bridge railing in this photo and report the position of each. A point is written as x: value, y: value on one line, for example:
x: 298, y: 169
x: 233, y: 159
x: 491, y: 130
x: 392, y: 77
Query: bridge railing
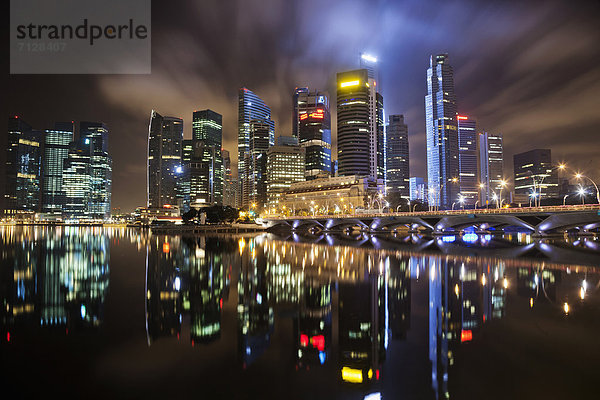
x: 443, y: 213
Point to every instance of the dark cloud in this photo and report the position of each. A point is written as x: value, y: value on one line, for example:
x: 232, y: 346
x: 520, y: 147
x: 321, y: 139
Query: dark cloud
x: 526, y: 69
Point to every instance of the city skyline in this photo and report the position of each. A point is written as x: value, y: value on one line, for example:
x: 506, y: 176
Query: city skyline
x: 515, y: 103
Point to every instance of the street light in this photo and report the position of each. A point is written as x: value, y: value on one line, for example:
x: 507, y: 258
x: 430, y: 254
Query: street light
x: 580, y: 176
x: 582, y: 193
x: 441, y: 188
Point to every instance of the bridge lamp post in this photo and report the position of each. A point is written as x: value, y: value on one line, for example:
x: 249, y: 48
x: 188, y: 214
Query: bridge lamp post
x: 580, y: 176
x: 503, y: 184
x: 582, y: 193
x: 461, y: 200
x: 495, y: 198
x: 565, y: 199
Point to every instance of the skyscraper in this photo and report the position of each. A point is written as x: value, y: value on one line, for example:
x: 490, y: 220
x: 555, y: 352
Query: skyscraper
x: 250, y: 108
x: 467, y: 160
x: 229, y: 183
x: 56, y: 150
x: 285, y: 165
x: 22, y: 168
x: 257, y: 163
x: 353, y: 123
x: 101, y: 168
x: 165, y: 139
x: 534, y: 176
x: 207, y: 133
x: 418, y: 189
x: 77, y: 179
x: 442, y: 132
x: 312, y: 122
x: 398, y: 173
x: 491, y: 164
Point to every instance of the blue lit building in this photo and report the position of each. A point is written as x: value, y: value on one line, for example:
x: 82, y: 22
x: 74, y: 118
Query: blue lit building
x: 467, y: 157
x: 442, y: 133
x: 251, y: 108
x: 96, y: 133
x: 398, y: 172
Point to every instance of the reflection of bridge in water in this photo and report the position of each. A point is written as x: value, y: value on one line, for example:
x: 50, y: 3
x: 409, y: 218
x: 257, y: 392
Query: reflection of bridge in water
x: 537, y: 220
x: 515, y: 249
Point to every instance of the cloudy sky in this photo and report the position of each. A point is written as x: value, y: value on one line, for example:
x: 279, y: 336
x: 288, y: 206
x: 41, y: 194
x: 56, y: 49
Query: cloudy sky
x: 527, y: 69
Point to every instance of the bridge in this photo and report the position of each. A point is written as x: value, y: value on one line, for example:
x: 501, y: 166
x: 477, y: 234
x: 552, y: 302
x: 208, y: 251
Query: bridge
x: 539, y: 221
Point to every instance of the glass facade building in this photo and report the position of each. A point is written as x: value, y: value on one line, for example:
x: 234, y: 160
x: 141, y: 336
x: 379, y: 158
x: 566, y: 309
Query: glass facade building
x: 418, y: 189
x: 257, y: 163
x: 229, y: 183
x: 56, y: 150
x: 207, y: 138
x: 398, y: 172
x: 312, y: 122
x: 165, y: 170
x: 251, y: 108
x: 285, y: 166
x: 467, y: 160
x: 77, y: 180
x: 442, y: 132
x: 491, y: 164
x: 100, y: 168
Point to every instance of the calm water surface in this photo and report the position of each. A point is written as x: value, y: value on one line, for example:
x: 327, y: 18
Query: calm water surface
x: 119, y: 313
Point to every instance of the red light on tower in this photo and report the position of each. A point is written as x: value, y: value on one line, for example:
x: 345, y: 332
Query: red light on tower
x: 460, y: 117
x: 318, y: 342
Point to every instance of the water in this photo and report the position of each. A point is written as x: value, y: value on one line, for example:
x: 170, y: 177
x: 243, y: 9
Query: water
x: 119, y: 313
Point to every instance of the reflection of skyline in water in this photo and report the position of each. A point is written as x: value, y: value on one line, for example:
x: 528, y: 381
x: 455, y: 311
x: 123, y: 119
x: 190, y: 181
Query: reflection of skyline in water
x: 347, y: 304
x: 332, y: 311
x: 54, y: 277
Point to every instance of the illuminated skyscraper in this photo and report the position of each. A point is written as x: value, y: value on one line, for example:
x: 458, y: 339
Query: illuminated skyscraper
x: 77, y: 179
x: 229, y: 183
x: 467, y: 160
x: 311, y: 123
x: 491, y: 164
x: 535, y: 176
x: 100, y: 168
x: 257, y: 163
x: 22, y: 168
x: 361, y: 131
x: 285, y: 165
x: 442, y: 132
x: 250, y: 108
x: 353, y: 123
x: 56, y: 150
x: 165, y: 139
x: 398, y: 172
x: 418, y: 189
x: 207, y: 137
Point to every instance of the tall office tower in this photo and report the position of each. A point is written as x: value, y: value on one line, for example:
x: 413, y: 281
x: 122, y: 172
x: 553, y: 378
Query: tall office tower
x: 77, y: 179
x: 285, y: 165
x: 353, y: 123
x: 442, y: 133
x: 312, y: 122
x: 101, y: 168
x: 207, y: 133
x: 361, y: 131
x: 467, y: 160
x: 491, y: 166
x: 418, y: 189
x: 250, y: 107
x: 257, y: 163
x: 185, y: 179
x: 165, y: 169
x: 229, y: 183
x: 534, y: 176
x: 369, y: 63
x: 22, y: 168
x: 56, y: 150
x: 398, y: 173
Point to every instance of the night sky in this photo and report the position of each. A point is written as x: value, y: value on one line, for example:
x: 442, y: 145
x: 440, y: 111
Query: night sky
x: 527, y: 69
